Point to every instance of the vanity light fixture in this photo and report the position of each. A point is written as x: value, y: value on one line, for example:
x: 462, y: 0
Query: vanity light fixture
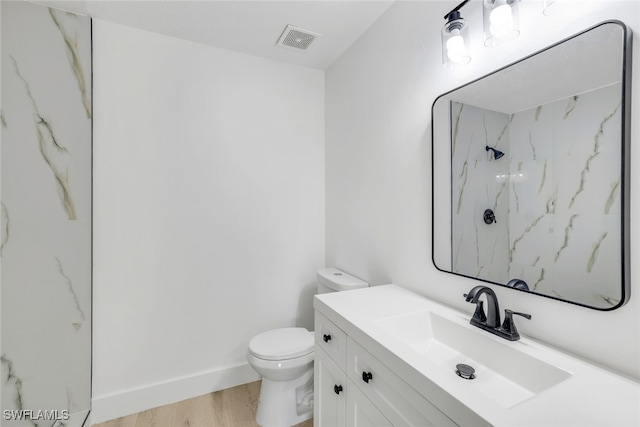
x: 500, y: 21
x: 455, y: 38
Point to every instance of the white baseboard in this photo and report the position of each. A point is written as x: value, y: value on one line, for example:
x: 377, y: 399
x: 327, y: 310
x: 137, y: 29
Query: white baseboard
x: 127, y: 402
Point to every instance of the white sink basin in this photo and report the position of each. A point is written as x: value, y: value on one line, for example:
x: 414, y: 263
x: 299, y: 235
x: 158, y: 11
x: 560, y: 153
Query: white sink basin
x: 503, y: 372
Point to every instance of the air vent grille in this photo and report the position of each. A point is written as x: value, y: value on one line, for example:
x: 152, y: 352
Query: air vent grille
x: 296, y: 38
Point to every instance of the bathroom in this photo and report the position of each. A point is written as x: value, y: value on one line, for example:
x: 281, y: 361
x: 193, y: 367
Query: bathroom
x: 222, y: 181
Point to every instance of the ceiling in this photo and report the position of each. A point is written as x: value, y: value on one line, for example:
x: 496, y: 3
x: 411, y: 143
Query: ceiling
x: 250, y: 27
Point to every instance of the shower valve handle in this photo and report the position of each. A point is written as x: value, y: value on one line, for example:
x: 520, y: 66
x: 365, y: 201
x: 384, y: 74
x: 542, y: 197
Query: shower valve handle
x: 489, y: 217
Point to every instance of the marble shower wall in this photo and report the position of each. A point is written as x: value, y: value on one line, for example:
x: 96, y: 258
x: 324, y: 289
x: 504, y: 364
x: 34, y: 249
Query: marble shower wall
x: 46, y: 213
x: 565, y: 198
x: 479, y: 182
x: 561, y: 203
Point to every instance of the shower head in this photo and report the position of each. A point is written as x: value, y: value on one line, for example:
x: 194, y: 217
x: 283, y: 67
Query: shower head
x: 496, y: 153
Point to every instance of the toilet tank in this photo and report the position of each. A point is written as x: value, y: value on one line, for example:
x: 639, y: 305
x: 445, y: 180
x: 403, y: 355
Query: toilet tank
x: 333, y: 280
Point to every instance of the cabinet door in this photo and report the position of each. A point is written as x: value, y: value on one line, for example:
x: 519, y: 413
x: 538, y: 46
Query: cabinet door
x: 330, y: 389
x: 361, y: 412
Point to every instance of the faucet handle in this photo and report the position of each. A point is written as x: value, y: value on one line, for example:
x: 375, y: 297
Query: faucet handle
x: 509, y: 326
x: 479, y: 315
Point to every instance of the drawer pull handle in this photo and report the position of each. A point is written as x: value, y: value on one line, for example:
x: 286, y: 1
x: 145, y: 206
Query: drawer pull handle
x: 366, y: 376
x: 326, y: 338
x: 337, y: 388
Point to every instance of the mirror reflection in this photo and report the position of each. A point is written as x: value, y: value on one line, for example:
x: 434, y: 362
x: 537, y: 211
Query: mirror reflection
x: 529, y: 184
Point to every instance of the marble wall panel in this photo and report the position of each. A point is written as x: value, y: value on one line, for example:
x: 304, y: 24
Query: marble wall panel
x: 575, y: 187
x: 564, y: 197
x: 46, y: 213
x: 479, y: 182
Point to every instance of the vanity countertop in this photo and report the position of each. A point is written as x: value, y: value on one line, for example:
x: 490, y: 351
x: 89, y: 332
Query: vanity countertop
x: 589, y: 396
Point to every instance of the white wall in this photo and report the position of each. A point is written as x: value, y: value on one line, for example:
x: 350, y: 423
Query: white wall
x: 208, y: 213
x: 378, y: 161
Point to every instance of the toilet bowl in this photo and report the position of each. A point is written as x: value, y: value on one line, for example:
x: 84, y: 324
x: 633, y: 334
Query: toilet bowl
x: 284, y: 359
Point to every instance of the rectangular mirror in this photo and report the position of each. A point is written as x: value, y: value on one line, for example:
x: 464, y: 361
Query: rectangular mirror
x: 530, y: 173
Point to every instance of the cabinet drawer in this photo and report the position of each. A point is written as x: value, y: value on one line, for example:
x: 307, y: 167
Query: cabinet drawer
x: 397, y: 400
x: 331, y: 339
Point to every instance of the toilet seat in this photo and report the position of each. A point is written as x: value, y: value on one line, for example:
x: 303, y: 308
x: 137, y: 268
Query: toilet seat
x: 282, y: 344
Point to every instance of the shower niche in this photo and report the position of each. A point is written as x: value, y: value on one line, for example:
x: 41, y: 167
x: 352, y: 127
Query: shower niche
x: 541, y: 145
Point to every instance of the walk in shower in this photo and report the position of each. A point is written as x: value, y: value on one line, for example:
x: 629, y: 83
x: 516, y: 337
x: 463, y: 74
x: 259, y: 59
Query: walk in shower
x: 45, y: 252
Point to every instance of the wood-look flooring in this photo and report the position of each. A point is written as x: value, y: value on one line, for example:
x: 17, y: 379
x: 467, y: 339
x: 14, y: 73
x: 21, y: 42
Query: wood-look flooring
x: 233, y: 407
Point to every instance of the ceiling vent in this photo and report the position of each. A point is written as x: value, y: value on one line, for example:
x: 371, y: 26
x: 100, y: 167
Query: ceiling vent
x: 296, y: 38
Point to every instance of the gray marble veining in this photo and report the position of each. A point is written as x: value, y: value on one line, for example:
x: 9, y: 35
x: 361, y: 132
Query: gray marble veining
x: 594, y: 252
x: 45, y: 245
x: 571, y: 105
x: 456, y: 125
x: 12, y: 379
x: 50, y: 149
x: 74, y: 296
x: 5, y: 234
x: 613, y: 194
x: 596, y: 152
x: 567, y: 234
x: 71, y: 43
x: 543, y: 180
x: 463, y: 179
x: 563, y: 194
x: 524, y: 234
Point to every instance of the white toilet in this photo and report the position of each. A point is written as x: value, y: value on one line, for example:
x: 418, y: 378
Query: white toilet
x: 284, y: 359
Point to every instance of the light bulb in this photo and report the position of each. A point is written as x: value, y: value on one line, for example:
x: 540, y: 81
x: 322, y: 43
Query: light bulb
x: 455, y: 47
x: 501, y: 20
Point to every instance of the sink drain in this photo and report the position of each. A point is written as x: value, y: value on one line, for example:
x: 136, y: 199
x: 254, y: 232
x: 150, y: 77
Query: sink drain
x: 465, y: 371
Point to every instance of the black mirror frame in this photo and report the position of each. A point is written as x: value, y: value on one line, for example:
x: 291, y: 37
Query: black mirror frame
x: 625, y: 166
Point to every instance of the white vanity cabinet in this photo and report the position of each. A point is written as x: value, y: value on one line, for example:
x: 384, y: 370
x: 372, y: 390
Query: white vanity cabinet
x: 353, y: 388
x: 393, y: 355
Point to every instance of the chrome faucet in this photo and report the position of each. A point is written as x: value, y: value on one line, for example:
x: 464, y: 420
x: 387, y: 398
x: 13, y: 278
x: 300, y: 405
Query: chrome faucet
x: 491, y: 321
